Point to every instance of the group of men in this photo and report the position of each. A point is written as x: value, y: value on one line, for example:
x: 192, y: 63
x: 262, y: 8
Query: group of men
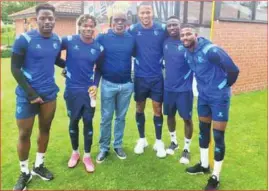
x: 109, y: 57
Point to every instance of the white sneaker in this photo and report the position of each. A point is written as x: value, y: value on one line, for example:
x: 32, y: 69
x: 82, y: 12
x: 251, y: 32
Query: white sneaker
x: 185, y: 157
x: 140, y: 145
x: 159, y: 147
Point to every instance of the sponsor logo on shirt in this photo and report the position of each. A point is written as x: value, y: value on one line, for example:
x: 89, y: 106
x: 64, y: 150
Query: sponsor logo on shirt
x: 38, y: 46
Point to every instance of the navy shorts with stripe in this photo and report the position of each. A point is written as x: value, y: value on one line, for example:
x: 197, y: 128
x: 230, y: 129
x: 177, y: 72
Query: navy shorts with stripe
x: 178, y: 101
x: 148, y: 88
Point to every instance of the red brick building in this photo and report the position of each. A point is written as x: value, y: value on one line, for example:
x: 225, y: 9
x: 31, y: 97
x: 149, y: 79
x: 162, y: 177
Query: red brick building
x: 67, y: 13
x: 241, y: 29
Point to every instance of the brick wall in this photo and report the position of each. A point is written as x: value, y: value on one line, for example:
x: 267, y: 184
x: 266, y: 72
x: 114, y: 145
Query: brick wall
x: 63, y: 26
x: 246, y: 43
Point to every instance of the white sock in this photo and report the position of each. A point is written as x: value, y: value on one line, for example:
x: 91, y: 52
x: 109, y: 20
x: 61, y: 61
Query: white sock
x: 76, y: 151
x: 87, y: 155
x: 158, y: 141
x: 173, y: 136
x: 143, y: 139
x: 204, y: 157
x: 217, y: 168
x: 39, y: 159
x: 25, y: 166
x: 187, y: 144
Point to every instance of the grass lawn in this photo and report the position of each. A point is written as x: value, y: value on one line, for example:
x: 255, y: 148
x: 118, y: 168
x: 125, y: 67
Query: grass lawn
x: 244, y: 168
x: 8, y: 38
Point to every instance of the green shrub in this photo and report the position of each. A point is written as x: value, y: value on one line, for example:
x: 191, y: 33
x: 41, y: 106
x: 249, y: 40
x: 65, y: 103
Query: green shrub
x: 6, y: 53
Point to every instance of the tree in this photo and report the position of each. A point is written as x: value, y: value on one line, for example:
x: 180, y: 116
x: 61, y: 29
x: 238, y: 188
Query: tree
x: 9, y: 7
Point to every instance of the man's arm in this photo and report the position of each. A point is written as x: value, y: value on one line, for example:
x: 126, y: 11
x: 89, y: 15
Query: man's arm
x: 221, y: 58
x: 59, y: 61
x: 16, y: 65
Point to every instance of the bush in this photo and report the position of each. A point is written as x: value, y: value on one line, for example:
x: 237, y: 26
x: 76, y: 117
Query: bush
x: 6, y: 53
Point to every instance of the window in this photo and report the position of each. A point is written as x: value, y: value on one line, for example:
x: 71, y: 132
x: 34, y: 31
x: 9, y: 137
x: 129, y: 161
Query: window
x: 248, y: 11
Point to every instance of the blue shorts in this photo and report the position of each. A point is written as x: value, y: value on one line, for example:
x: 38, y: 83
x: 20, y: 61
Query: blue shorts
x: 148, y: 88
x: 178, y: 101
x: 78, y: 104
x: 217, y: 109
x: 24, y: 109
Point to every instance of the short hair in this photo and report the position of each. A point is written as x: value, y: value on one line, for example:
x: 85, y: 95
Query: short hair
x: 145, y: 3
x: 85, y: 17
x: 44, y: 6
x: 173, y: 17
x: 187, y: 25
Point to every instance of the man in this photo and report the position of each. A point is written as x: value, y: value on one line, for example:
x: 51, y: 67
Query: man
x: 215, y: 73
x: 178, y: 95
x: 116, y: 88
x: 82, y: 53
x: 149, y: 37
x: 32, y: 65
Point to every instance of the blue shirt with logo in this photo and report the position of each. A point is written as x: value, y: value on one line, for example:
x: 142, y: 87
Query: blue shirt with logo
x: 80, y: 62
x: 149, y: 49
x: 178, y: 75
x: 40, y: 54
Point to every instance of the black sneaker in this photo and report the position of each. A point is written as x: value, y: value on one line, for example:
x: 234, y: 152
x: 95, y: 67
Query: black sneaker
x: 185, y: 157
x: 120, y: 153
x: 198, y: 169
x: 213, y: 183
x: 42, y: 172
x: 22, y: 181
x: 101, y: 157
x: 171, y: 149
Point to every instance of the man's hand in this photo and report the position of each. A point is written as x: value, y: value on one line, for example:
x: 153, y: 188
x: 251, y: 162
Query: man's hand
x: 64, y: 73
x: 92, y: 91
x: 37, y: 100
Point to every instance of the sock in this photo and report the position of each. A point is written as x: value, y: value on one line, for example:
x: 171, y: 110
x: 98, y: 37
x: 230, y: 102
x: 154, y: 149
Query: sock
x: 39, y: 159
x: 219, y: 145
x: 158, y: 141
x: 173, y: 136
x: 204, y: 135
x: 87, y: 155
x: 187, y: 144
x: 76, y: 151
x: 204, y: 157
x: 158, y: 122
x: 140, y: 121
x: 25, y: 166
x: 217, y: 168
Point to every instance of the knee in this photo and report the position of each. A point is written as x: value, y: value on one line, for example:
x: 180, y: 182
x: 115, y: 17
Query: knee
x: 140, y: 107
x: 25, y: 135
x: 219, y: 138
x: 157, y: 110
x: 188, y: 122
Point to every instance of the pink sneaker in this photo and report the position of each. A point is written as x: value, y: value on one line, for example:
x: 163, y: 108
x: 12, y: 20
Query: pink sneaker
x: 73, y: 161
x: 89, y: 166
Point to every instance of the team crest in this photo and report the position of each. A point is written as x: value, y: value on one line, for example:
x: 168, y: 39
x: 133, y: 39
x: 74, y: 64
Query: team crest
x: 180, y: 47
x: 55, y: 45
x: 139, y: 33
x: 93, y: 51
x: 76, y: 47
x: 156, y: 33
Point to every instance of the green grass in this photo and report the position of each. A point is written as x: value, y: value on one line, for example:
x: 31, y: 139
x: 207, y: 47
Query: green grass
x: 244, y: 168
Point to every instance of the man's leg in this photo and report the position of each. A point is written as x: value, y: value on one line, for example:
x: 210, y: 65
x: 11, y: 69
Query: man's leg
x: 220, y: 115
x: 122, y: 104
x: 23, y: 148
x: 46, y: 115
x: 108, y: 93
x: 88, y: 114
x: 169, y: 109
x: 141, y: 92
x: 204, y: 113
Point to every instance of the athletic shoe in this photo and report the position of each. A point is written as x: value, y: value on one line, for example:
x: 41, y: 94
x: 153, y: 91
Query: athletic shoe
x: 171, y: 149
x: 120, y: 153
x: 197, y: 169
x: 140, y: 146
x: 185, y: 157
x: 213, y: 183
x: 22, y: 181
x: 89, y: 166
x: 159, y: 147
x: 101, y: 157
x: 73, y: 161
x: 42, y: 172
